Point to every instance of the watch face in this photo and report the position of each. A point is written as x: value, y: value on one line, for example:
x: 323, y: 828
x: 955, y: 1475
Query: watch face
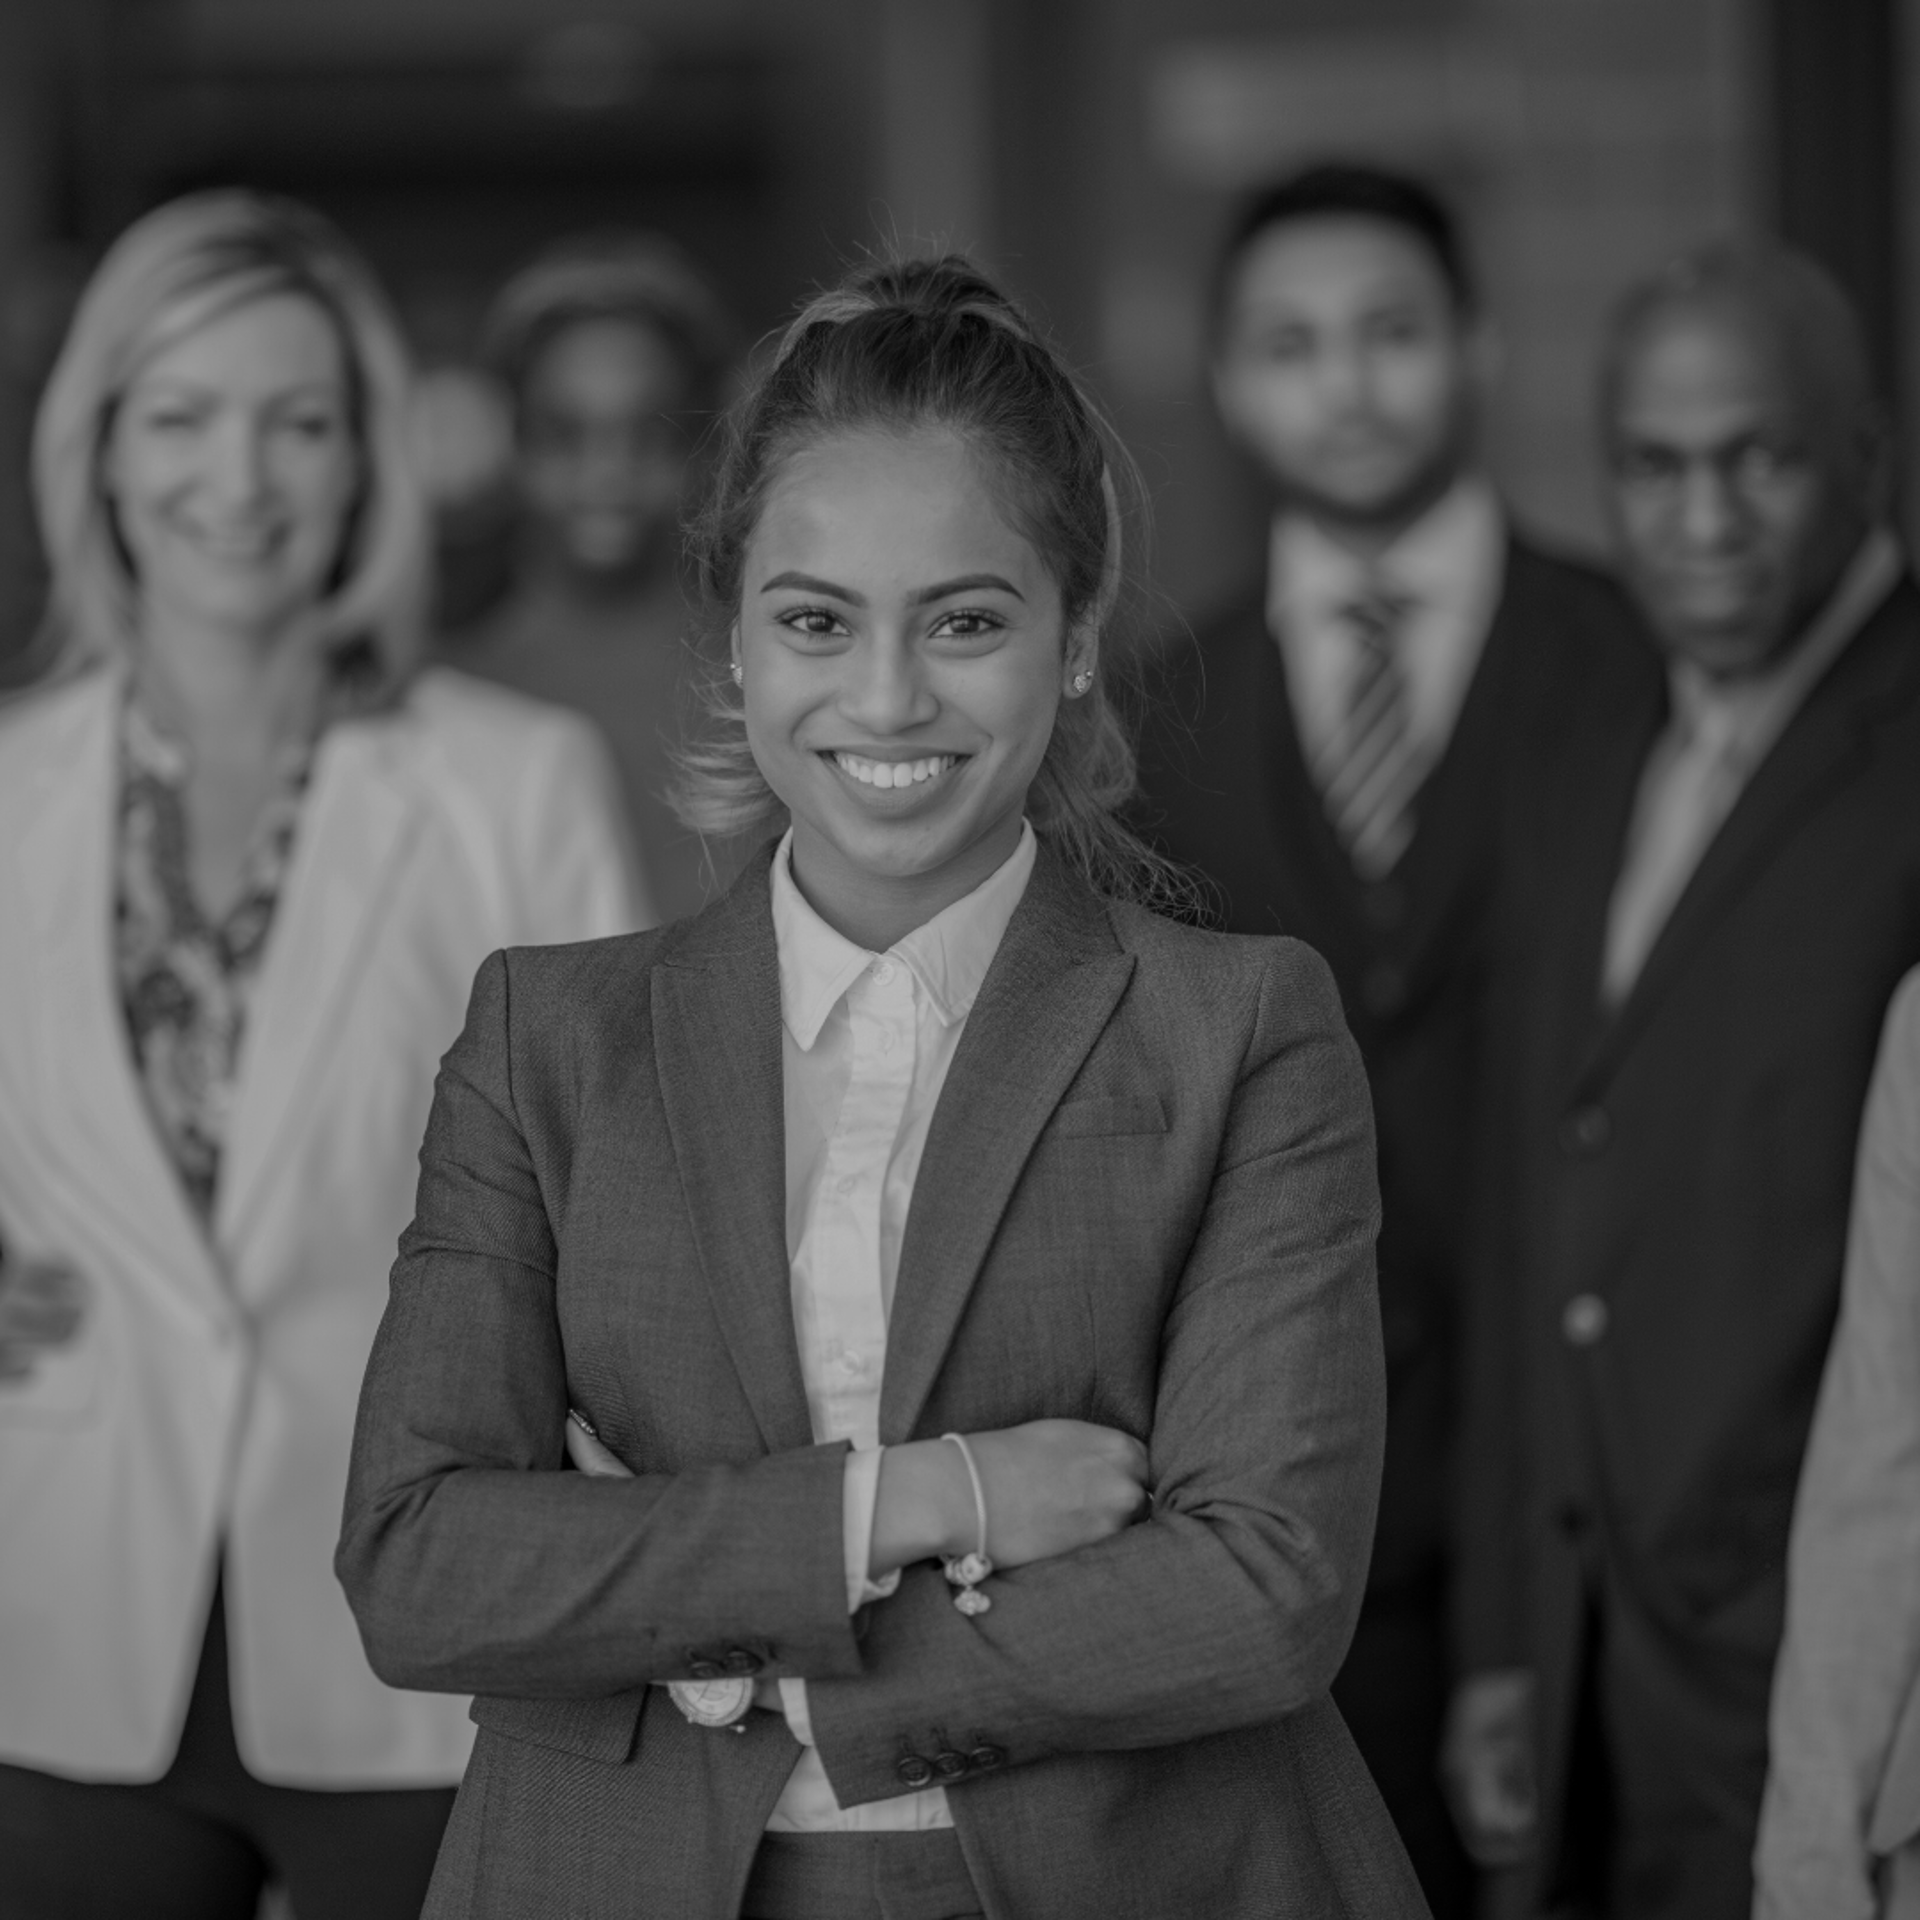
x: 712, y: 1703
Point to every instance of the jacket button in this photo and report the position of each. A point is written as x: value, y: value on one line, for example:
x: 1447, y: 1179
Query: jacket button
x: 1584, y: 1319
x: 1586, y: 1130
x: 705, y: 1667
x: 986, y: 1757
x: 911, y: 1770
x: 1572, y: 1518
x: 950, y: 1764
x: 743, y: 1663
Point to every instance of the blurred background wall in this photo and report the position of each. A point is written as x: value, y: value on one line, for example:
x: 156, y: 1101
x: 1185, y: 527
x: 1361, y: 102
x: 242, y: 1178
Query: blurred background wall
x: 1088, y: 149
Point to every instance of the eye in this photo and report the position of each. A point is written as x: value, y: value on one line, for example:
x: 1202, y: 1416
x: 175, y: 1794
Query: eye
x: 1759, y: 464
x: 170, y: 416
x: 813, y: 623
x: 967, y: 623
x: 1647, y: 466
x: 1396, y: 329
x: 1286, y: 344
x: 315, y: 424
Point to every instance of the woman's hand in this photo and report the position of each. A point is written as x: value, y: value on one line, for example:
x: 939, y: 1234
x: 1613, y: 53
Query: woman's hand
x: 1050, y: 1486
x: 42, y: 1306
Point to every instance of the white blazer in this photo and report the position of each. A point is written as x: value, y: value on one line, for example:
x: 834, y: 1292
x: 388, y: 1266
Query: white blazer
x: 210, y: 1394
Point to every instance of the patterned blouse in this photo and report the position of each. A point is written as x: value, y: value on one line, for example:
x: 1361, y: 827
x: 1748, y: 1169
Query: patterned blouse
x: 184, y: 980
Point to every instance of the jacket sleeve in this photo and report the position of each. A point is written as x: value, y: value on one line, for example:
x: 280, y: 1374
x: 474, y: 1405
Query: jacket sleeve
x: 1234, y: 1603
x: 1851, y: 1658
x: 472, y: 1561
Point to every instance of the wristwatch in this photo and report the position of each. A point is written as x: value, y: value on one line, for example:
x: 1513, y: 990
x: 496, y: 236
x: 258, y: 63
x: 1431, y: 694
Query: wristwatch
x: 713, y: 1703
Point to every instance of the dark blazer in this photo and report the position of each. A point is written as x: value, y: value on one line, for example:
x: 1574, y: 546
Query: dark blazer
x: 1682, y: 1168
x: 1146, y: 1200
x: 1227, y: 792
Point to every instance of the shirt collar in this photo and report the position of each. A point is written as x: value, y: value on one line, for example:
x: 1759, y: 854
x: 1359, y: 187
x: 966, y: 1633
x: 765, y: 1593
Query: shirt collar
x: 1443, y: 560
x: 949, y: 955
x: 1748, y: 713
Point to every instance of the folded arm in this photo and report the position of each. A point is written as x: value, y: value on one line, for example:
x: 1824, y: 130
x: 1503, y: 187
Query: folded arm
x: 472, y: 1562
x: 1235, y: 1602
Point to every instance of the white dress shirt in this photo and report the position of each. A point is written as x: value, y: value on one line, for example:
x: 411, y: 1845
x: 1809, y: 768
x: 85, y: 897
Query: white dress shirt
x: 867, y: 1040
x: 1720, y: 732
x: 1449, y: 568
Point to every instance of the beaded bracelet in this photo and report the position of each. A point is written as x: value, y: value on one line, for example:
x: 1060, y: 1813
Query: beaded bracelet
x: 969, y: 1569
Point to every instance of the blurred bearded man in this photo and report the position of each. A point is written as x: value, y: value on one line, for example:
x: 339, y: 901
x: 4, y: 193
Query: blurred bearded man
x: 1712, y: 885
x: 1332, y: 762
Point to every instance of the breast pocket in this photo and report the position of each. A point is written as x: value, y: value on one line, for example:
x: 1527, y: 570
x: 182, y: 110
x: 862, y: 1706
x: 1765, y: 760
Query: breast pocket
x: 1106, y: 1116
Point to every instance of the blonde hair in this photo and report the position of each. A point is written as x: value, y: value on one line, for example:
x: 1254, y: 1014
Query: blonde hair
x: 901, y: 344
x: 187, y: 263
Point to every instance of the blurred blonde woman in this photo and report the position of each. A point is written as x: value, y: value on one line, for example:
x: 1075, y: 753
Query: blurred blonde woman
x: 252, y: 859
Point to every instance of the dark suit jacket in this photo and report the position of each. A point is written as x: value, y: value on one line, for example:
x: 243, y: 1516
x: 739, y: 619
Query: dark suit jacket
x: 1687, y: 1163
x: 1227, y: 792
x: 1146, y: 1199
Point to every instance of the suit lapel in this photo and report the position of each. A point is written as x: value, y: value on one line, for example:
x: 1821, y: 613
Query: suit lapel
x: 718, y: 1054
x: 1822, y: 748
x: 360, y: 818
x: 86, y: 1070
x: 1050, y: 991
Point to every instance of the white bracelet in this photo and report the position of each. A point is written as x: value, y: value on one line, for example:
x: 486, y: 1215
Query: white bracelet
x: 969, y: 1569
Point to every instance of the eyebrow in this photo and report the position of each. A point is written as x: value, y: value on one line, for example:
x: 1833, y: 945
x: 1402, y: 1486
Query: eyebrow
x: 921, y: 597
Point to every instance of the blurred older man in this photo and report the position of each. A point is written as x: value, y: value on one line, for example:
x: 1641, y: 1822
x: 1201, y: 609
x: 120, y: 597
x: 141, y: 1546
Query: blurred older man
x: 1712, y: 885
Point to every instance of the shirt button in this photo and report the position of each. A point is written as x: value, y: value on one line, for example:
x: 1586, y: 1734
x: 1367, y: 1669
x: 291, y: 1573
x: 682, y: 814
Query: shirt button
x: 1584, y: 1320
x: 883, y: 971
x: 844, y: 1184
x: 886, y: 1043
x: 1586, y: 1131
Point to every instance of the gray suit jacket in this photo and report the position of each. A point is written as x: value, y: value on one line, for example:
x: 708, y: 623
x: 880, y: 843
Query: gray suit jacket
x: 1842, y: 1808
x: 1147, y: 1199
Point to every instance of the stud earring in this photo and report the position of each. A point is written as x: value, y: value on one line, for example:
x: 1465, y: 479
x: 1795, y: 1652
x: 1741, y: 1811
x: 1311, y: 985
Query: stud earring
x: 739, y: 678
x: 1082, y: 680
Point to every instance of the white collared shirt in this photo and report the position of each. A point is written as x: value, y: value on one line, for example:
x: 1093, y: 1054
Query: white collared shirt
x: 1449, y: 567
x: 1719, y: 733
x: 866, y: 1043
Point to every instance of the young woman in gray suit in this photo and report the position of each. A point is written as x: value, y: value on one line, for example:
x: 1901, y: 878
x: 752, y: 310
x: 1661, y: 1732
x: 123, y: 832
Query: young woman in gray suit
x: 962, y: 1277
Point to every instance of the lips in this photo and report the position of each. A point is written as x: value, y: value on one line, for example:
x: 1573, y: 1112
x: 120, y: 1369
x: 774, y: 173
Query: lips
x: 894, y: 774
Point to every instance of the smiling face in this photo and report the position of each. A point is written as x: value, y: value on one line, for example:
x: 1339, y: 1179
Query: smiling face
x: 1733, y: 500
x: 232, y: 468
x: 603, y: 459
x: 903, y: 652
x: 1345, y: 367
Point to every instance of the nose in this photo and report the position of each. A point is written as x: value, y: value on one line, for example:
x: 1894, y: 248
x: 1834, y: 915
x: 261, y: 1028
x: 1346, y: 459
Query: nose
x: 1709, y: 510
x: 885, y: 690
x: 1345, y: 377
x: 239, y: 465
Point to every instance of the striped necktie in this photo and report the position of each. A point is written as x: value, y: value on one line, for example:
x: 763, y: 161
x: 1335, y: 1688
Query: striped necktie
x: 1371, y: 770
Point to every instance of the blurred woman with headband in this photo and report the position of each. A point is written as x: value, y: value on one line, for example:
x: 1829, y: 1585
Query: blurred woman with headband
x: 614, y: 352
x: 252, y: 859
x: 891, y: 1228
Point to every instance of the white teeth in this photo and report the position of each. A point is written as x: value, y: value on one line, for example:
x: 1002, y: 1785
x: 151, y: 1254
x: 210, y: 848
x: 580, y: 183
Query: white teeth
x: 894, y: 773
